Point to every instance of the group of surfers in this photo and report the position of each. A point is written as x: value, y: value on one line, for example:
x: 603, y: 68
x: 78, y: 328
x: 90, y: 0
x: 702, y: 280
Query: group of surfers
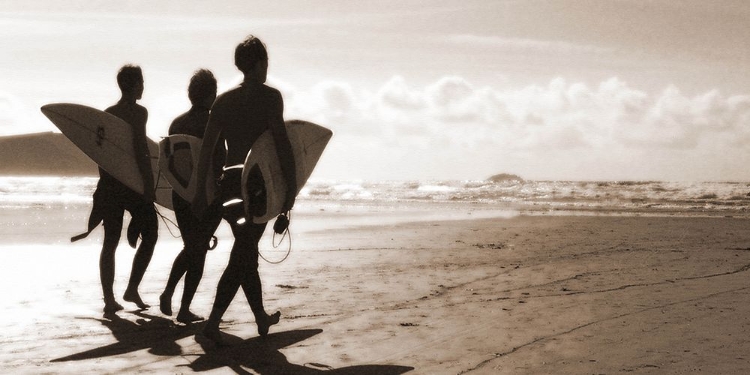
x: 229, y: 125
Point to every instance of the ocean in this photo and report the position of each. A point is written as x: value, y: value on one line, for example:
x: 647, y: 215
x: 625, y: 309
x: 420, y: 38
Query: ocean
x: 49, y: 210
x: 539, y: 196
x: 584, y: 197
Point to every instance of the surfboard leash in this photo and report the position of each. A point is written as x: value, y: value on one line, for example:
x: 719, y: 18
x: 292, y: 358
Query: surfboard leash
x: 168, y: 221
x: 282, y: 220
x: 213, y: 242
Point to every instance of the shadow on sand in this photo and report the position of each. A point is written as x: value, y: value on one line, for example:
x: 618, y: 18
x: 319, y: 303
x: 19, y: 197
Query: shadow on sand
x: 262, y: 356
x: 160, y: 335
x: 157, y: 334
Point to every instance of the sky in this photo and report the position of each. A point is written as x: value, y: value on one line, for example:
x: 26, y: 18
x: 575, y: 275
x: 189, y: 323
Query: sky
x: 423, y: 90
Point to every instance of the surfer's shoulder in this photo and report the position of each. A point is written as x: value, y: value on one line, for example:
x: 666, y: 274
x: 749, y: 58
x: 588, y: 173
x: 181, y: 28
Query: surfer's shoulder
x: 121, y: 107
x: 221, y: 101
x: 231, y: 94
x: 139, y: 109
x: 177, y: 125
x: 271, y: 91
x: 273, y: 95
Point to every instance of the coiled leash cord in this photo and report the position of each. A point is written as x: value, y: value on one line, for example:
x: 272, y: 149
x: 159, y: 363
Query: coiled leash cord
x: 280, y: 227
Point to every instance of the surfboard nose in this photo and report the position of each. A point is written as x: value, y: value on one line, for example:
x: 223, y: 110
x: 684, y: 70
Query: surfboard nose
x: 108, y: 141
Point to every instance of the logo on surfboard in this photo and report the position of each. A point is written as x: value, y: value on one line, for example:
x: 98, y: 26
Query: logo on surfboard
x: 99, y: 135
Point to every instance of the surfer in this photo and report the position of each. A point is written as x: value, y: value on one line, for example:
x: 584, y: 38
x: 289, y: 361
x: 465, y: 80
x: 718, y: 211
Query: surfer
x: 196, y: 233
x: 238, y: 117
x: 112, y: 198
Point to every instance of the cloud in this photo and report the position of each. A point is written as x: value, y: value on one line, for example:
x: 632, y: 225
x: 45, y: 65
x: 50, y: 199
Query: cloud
x: 673, y: 120
x: 610, y: 114
x: 337, y: 97
x: 559, y: 124
x: 397, y: 94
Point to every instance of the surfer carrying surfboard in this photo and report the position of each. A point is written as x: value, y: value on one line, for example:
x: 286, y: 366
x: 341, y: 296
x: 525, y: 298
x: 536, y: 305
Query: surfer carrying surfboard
x: 238, y: 117
x: 196, y: 232
x: 112, y: 198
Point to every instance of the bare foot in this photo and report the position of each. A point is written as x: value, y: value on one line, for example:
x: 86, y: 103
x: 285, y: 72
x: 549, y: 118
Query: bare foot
x: 133, y: 296
x: 188, y: 317
x: 111, y: 307
x: 265, y: 323
x: 165, y: 304
x: 212, y: 334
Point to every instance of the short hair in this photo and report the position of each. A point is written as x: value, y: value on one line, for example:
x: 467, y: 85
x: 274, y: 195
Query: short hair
x: 248, y: 53
x: 202, y: 86
x: 128, y: 77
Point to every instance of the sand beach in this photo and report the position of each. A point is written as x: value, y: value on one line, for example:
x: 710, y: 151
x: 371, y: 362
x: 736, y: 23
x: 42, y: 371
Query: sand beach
x: 377, y: 292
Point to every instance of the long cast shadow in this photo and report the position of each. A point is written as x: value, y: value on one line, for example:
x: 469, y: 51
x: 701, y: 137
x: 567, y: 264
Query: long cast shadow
x: 263, y: 357
x: 160, y: 336
x: 157, y: 334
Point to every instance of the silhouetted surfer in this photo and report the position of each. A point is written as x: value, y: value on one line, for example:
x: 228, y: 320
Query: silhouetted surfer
x: 196, y: 233
x: 112, y: 198
x: 239, y: 117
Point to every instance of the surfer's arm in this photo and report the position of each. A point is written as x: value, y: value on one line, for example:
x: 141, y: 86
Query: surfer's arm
x: 284, y: 151
x: 210, y: 139
x: 143, y: 156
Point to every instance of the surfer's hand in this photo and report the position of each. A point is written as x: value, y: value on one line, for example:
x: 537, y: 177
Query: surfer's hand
x: 149, y: 196
x: 289, y: 202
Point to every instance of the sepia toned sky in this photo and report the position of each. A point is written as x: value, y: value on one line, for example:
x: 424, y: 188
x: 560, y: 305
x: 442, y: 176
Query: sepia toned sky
x: 572, y: 90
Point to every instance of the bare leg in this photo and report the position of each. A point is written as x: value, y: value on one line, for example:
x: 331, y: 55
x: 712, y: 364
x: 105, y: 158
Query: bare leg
x: 196, y: 261
x: 140, y: 262
x: 112, y: 229
x: 254, y: 294
x: 243, y: 260
x: 179, y: 267
x: 226, y: 290
x: 107, y: 275
x: 251, y: 283
x: 142, y: 256
x: 186, y: 222
x: 251, y: 286
x: 198, y: 238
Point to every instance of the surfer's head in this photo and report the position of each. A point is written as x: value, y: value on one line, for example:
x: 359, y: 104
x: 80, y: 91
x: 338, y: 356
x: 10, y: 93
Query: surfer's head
x: 202, y: 88
x: 130, y: 80
x: 251, y: 58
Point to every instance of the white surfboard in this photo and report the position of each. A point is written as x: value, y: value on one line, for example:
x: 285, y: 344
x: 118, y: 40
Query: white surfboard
x: 178, y: 159
x: 108, y: 141
x: 308, y: 141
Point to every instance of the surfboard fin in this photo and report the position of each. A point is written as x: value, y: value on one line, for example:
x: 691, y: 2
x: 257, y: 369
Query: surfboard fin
x: 79, y: 236
x: 95, y: 217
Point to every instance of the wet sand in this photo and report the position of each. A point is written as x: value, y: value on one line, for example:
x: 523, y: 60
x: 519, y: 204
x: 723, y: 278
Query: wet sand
x: 521, y: 295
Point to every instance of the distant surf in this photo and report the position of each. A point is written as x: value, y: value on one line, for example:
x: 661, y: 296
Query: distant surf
x: 658, y: 197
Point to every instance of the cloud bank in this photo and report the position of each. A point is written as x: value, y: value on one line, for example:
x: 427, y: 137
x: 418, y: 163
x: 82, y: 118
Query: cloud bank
x: 537, y: 129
